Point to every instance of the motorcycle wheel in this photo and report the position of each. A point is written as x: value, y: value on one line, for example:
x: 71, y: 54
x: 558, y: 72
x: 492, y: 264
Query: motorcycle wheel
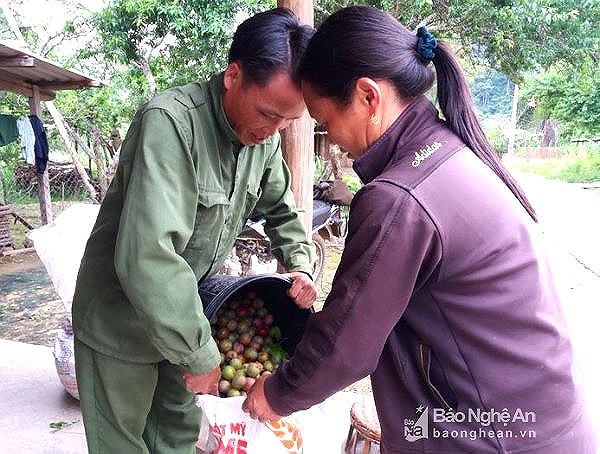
x: 321, y: 251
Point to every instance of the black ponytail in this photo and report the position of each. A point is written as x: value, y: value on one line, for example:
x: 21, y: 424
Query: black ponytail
x: 454, y: 98
x: 361, y: 41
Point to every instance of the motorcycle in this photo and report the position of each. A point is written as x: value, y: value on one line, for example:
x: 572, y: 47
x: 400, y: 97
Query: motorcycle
x: 251, y: 253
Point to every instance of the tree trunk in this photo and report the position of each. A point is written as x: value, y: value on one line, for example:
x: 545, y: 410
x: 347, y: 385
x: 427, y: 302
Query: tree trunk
x: 4, y: 190
x: 115, y: 142
x: 145, y: 67
x: 98, y: 150
x: 550, y: 137
x: 62, y: 127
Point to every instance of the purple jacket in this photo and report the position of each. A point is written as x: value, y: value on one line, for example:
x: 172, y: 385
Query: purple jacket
x: 443, y: 296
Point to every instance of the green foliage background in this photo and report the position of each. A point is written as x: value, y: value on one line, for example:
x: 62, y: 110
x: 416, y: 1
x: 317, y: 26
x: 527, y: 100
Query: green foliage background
x: 549, y: 47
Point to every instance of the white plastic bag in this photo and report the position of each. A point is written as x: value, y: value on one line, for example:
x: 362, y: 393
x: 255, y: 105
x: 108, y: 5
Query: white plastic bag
x: 64, y: 357
x: 236, y: 433
x: 320, y: 429
x: 60, y: 246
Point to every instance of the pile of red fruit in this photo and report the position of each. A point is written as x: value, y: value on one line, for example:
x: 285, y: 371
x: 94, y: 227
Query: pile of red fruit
x: 248, y: 341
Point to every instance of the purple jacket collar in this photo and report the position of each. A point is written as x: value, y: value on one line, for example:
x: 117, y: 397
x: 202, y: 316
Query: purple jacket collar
x: 407, y: 132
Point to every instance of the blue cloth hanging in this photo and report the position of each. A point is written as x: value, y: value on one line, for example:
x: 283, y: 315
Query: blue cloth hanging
x: 41, y: 143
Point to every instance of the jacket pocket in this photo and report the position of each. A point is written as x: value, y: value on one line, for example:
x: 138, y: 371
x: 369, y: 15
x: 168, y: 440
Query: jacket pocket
x: 434, y: 377
x: 211, y: 214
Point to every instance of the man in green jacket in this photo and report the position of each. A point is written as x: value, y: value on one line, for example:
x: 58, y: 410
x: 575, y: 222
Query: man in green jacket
x: 197, y: 161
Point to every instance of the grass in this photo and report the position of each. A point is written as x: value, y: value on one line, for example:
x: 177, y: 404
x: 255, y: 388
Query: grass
x: 581, y: 170
x: 577, y: 166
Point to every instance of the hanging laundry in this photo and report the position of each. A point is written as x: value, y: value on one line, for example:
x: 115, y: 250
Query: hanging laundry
x: 27, y: 140
x: 8, y: 129
x: 41, y: 143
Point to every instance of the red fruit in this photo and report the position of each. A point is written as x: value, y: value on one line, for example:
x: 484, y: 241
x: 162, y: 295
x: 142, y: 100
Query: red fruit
x: 238, y: 348
x: 244, y: 326
x: 255, y: 345
x: 268, y: 319
x: 258, y: 339
x: 225, y: 345
x: 224, y: 386
x: 263, y: 357
x: 238, y: 381
x: 262, y: 331
x: 231, y: 354
x: 236, y: 363
x: 250, y: 354
x: 257, y: 322
x: 245, y: 339
x: 231, y: 325
x: 242, y: 311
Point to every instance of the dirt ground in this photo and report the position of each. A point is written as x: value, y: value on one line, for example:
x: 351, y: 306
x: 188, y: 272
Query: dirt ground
x: 30, y: 310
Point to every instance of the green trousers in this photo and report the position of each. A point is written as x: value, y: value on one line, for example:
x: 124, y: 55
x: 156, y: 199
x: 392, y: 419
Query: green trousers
x: 134, y: 408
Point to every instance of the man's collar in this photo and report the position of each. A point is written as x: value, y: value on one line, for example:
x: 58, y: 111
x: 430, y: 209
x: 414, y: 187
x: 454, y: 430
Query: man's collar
x: 215, y: 86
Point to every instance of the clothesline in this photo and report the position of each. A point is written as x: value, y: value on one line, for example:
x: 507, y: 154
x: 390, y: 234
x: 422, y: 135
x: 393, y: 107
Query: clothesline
x: 31, y: 133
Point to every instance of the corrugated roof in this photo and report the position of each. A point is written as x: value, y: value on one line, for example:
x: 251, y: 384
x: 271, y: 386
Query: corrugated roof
x: 20, y: 70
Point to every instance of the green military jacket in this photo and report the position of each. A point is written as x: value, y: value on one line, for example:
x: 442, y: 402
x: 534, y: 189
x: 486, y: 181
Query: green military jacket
x: 183, y: 190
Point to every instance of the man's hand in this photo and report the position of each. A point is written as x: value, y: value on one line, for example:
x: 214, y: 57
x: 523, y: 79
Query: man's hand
x: 256, y: 403
x: 203, y: 384
x: 303, y: 290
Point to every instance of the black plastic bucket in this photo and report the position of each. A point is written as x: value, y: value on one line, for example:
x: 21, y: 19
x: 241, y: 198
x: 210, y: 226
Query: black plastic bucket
x: 272, y: 289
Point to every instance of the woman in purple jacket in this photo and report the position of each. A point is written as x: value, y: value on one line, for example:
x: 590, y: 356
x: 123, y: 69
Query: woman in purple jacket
x: 442, y: 295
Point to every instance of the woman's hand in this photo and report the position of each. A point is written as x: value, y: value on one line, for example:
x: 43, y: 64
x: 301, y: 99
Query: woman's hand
x: 256, y: 404
x: 303, y: 290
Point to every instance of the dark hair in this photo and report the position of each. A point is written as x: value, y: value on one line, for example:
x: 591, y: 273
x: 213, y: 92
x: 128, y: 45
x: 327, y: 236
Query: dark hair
x: 270, y: 42
x: 361, y: 41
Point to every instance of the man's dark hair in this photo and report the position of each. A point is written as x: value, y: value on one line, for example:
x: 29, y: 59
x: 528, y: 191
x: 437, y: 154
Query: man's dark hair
x: 270, y: 42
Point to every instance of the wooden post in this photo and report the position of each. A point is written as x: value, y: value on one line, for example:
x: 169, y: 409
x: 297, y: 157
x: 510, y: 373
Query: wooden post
x: 298, y: 141
x: 43, y: 182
